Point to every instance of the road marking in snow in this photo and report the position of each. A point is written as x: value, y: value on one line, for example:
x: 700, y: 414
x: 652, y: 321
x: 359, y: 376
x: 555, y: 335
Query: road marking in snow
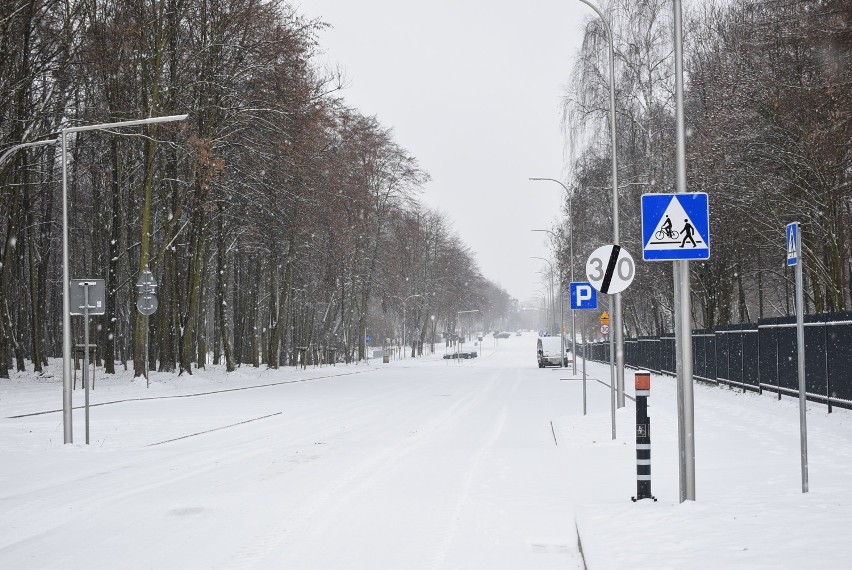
x: 214, y: 429
x: 194, y: 394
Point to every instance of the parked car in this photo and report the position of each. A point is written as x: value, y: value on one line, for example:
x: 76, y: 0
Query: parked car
x: 465, y: 355
x: 549, y: 352
x: 502, y: 335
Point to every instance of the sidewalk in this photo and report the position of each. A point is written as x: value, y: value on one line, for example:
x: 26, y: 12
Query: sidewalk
x: 749, y: 510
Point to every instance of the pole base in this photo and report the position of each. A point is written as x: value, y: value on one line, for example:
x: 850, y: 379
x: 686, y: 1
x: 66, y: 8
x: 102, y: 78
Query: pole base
x: 634, y: 499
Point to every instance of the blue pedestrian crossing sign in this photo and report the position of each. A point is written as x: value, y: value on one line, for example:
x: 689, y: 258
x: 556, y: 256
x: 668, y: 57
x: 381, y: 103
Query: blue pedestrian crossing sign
x: 793, y: 244
x: 675, y: 226
x: 583, y: 296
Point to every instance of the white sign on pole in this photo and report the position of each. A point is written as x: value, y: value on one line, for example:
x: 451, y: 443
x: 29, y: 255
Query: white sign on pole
x: 610, y: 269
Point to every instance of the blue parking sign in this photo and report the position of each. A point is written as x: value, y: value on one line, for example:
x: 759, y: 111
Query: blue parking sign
x: 583, y: 296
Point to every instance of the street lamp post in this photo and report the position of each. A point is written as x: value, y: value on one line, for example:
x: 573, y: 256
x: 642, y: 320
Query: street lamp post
x: 570, y: 264
x: 616, y: 325
x: 683, y: 302
x: 66, y: 278
x: 562, y: 314
x: 458, y: 321
x: 404, y: 347
x: 561, y: 307
x: 542, y: 298
x: 17, y: 147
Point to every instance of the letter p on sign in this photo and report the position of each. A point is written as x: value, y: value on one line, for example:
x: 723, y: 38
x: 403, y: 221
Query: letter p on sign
x: 583, y: 296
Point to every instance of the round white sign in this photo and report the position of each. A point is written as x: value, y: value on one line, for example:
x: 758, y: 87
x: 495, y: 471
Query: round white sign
x: 604, y: 330
x: 610, y: 269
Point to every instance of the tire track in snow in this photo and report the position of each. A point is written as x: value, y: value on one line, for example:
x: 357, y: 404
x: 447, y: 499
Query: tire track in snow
x: 462, y: 496
x: 334, y: 499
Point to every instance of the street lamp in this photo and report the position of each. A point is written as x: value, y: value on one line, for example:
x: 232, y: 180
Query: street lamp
x: 403, y: 319
x: 539, y: 296
x: 618, y: 337
x: 562, y: 308
x: 561, y: 303
x: 458, y: 315
x: 683, y: 302
x: 17, y: 147
x: 570, y: 197
x: 66, y: 278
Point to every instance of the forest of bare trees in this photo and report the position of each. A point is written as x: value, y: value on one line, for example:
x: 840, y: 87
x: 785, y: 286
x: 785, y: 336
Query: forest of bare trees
x: 769, y: 139
x: 277, y: 219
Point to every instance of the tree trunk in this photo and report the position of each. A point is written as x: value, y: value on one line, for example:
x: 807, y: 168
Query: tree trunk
x: 222, y: 294
x: 193, y: 290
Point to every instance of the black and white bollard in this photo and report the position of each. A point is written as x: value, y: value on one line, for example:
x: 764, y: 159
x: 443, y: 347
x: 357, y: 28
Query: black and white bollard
x: 643, y: 437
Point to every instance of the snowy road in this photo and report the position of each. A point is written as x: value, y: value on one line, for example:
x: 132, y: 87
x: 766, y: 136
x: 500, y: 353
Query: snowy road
x: 432, y: 465
x: 417, y: 464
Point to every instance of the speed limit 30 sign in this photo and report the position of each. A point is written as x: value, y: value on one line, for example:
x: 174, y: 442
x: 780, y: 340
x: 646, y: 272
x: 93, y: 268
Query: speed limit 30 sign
x: 610, y: 269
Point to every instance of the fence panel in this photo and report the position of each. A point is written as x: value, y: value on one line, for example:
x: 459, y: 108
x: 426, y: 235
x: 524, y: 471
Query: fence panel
x: 667, y: 355
x: 724, y: 346
x: 649, y: 349
x: 703, y: 353
x: 751, y: 357
x: 816, y: 353
x: 839, y: 356
x: 631, y: 353
x: 768, y: 357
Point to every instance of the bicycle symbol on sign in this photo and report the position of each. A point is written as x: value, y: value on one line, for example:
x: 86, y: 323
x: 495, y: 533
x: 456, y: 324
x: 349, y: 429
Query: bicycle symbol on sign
x: 666, y: 230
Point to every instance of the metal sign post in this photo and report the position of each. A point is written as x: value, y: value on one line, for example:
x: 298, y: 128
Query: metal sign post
x: 683, y: 302
x: 794, y: 257
x: 147, y: 304
x: 87, y: 298
x: 610, y: 270
x: 584, y: 297
x: 86, y: 352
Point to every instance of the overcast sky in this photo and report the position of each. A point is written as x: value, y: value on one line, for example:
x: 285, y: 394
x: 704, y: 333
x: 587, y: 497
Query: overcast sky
x: 472, y: 89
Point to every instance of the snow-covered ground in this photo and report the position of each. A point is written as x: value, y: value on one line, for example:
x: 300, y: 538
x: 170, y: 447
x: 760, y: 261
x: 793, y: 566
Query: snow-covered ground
x: 426, y: 463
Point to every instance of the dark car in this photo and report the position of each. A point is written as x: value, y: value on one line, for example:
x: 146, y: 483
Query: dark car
x: 465, y: 355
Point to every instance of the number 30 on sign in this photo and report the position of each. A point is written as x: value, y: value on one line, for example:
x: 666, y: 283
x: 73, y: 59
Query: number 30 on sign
x: 610, y: 269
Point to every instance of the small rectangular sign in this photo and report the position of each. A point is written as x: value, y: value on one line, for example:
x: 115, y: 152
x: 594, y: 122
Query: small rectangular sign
x: 583, y: 296
x: 792, y: 244
x: 97, y: 296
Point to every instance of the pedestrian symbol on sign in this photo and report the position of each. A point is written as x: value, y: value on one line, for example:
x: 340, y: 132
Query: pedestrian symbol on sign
x: 792, y: 244
x: 688, y: 232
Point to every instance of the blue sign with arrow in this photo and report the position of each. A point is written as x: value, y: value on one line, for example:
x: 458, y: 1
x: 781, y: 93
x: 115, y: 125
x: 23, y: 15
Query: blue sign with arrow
x: 675, y: 226
x: 583, y: 296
